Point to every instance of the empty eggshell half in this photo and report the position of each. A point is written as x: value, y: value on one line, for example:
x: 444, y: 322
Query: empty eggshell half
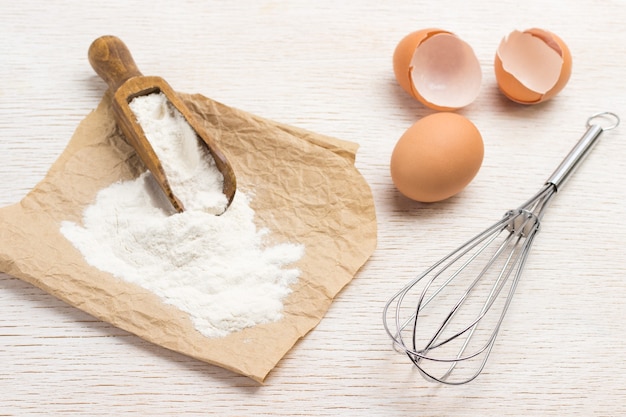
x: 532, y: 66
x: 437, y: 68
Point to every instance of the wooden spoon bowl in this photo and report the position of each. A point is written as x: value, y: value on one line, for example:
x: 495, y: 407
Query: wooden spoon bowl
x: 112, y: 61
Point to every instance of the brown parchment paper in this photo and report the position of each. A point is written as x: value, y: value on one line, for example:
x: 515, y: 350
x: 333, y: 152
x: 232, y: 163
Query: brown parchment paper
x: 306, y: 190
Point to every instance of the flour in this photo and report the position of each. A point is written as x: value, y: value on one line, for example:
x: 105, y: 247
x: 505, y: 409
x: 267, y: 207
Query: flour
x: 217, y: 269
x: 188, y: 165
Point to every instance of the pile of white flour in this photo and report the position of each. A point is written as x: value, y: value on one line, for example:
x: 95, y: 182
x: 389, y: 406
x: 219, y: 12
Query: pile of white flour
x: 215, y: 268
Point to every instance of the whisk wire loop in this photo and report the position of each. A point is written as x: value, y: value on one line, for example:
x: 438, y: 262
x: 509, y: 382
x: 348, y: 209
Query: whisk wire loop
x: 509, y: 245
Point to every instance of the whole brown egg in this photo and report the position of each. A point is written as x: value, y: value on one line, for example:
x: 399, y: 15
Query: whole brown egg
x: 437, y: 157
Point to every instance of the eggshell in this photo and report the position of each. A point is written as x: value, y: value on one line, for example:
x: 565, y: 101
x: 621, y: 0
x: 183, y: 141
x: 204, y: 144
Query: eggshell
x: 532, y: 66
x: 437, y: 68
x: 437, y: 157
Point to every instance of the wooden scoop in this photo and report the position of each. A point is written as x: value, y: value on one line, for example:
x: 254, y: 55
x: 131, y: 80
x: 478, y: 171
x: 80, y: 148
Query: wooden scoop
x: 112, y: 61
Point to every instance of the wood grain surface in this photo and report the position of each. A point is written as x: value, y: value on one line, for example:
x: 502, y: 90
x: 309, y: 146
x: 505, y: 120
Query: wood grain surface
x: 326, y: 66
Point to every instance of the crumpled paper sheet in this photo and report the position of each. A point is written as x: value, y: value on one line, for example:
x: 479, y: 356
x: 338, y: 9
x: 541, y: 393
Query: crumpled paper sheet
x: 306, y: 190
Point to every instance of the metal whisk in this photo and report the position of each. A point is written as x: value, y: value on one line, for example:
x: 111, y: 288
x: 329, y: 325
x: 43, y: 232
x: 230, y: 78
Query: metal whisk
x: 447, y: 319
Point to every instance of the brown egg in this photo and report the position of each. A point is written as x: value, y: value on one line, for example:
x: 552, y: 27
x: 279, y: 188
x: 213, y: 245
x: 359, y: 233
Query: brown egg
x: 437, y: 157
x: 437, y: 68
x: 532, y: 66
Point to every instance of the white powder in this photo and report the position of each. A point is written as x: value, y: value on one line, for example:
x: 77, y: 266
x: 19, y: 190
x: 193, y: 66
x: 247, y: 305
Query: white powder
x: 215, y: 268
x: 188, y: 165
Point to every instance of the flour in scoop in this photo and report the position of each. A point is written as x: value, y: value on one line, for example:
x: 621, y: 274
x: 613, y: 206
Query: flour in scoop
x: 188, y: 164
x: 218, y: 269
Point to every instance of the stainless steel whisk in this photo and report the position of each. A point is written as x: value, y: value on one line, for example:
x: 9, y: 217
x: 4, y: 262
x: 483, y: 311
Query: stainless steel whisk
x: 447, y: 319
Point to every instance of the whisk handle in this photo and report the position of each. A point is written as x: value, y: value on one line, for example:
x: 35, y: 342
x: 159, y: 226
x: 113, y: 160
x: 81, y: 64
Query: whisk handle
x: 582, y: 148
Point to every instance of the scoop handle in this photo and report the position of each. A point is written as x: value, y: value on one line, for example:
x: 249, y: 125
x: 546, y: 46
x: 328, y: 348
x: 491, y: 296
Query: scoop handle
x: 112, y: 61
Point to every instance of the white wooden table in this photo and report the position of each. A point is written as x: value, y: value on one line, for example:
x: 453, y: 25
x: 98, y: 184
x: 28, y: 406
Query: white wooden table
x: 326, y: 66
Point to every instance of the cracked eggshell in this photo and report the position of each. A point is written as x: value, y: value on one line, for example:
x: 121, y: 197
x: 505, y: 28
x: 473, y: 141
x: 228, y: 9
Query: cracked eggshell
x: 532, y: 66
x: 437, y: 68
